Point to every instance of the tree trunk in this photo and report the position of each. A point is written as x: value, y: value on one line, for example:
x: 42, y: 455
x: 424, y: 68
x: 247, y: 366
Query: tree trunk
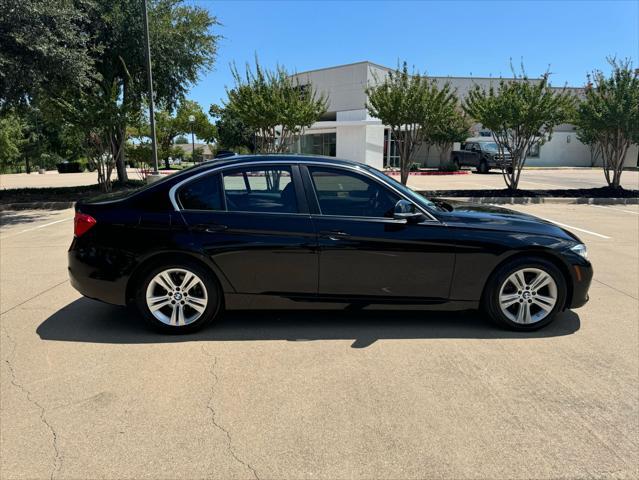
x: 120, y: 164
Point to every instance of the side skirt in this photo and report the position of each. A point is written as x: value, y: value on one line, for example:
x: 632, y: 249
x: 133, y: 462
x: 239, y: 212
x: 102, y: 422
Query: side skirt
x: 238, y: 301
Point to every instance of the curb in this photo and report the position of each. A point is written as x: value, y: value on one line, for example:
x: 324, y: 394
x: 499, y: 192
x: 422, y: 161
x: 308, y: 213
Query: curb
x: 548, y: 200
x: 36, y: 206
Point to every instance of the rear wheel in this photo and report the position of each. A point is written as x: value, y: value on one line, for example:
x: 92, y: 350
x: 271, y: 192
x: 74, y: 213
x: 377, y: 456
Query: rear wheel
x: 525, y: 294
x: 180, y: 298
x: 456, y: 163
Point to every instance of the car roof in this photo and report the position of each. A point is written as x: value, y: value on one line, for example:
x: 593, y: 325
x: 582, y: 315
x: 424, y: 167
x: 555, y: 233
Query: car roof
x: 291, y: 157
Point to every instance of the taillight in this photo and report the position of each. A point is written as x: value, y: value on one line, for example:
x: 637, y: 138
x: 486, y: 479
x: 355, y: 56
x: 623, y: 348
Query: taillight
x: 82, y: 223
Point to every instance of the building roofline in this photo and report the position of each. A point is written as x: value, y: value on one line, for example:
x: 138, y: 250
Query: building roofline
x: 439, y: 77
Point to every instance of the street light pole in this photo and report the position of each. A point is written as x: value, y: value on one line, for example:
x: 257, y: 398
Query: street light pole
x: 191, y: 120
x: 149, y: 75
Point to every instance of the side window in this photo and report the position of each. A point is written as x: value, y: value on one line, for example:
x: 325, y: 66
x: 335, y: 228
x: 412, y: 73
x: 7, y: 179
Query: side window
x: 260, y: 189
x: 344, y: 193
x: 204, y: 193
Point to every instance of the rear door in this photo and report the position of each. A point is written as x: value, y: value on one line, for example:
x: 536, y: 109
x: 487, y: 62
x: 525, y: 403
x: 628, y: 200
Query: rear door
x: 364, y: 252
x: 253, y: 222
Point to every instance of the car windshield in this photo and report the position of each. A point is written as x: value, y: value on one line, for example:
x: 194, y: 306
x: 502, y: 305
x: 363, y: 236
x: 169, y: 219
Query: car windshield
x: 489, y: 146
x: 414, y: 196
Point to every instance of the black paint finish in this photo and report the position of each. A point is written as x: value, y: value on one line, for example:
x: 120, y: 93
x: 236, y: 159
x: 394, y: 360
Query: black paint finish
x: 297, y: 260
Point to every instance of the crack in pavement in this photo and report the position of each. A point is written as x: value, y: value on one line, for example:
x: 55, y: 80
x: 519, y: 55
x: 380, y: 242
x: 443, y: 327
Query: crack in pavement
x: 34, y: 297
x: 57, y: 461
x: 210, y: 407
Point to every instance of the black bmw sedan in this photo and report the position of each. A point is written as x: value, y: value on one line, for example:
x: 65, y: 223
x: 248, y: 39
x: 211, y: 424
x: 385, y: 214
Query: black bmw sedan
x: 257, y: 232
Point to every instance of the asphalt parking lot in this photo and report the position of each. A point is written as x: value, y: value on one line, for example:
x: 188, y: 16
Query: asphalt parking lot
x: 87, y: 392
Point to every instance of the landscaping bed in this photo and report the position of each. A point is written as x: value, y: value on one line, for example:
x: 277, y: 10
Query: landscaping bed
x: 61, y: 194
x: 602, y: 192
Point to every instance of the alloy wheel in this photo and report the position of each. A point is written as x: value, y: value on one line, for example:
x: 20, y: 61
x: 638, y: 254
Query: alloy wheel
x: 528, y: 296
x: 176, y: 297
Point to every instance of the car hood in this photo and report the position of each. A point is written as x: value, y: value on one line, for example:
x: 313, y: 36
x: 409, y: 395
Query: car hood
x: 490, y: 217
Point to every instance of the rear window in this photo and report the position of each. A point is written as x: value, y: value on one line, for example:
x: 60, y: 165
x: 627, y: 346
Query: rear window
x: 267, y: 189
x: 204, y: 193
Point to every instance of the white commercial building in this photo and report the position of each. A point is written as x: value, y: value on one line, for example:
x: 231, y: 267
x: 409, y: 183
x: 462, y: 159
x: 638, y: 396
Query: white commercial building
x: 348, y: 131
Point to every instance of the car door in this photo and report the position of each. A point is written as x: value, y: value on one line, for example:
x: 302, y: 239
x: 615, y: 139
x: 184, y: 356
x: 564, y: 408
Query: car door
x: 253, y: 222
x: 364, y: 251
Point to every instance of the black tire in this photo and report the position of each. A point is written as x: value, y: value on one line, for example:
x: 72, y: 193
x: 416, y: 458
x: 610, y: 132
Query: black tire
x: 213, y: 291
x: 456, y: 163
x: 490, y: 300
x: 483, y: 167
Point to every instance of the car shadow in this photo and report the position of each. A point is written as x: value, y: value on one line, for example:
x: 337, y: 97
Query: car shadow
x: 90, y: 321
x: 17, y: 217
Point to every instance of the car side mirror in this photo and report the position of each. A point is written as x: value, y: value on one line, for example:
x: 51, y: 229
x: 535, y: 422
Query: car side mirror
x: 405, y: 210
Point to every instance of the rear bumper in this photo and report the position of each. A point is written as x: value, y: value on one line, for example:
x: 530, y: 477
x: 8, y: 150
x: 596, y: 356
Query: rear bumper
x: 94, y: 282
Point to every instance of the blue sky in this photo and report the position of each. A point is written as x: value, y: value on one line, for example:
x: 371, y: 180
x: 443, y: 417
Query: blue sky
x: 442, y: 38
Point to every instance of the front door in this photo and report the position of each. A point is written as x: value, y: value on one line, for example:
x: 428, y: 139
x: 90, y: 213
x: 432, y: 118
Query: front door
x: 250, y: 221
x: 366, y: 253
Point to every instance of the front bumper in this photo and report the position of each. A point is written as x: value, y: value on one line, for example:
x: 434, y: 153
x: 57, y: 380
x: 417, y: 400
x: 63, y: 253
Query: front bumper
x: 582, y: 276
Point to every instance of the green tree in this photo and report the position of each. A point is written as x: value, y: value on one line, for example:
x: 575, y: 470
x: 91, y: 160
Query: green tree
x: 274, y: 106
x: 169, y: 126
x: 11, y: 140
x: 453, y: 126
x: 231, y: 132
x: 520, y: 113
x: 43, y: 45
x: 608, y: 117
x: 182, y: 45
x: 411, y: 105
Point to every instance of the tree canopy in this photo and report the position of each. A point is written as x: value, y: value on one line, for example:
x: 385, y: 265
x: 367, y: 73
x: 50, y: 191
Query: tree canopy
x: 274, y: 106
x: 411, y: 105
x: 86, y: 57
x: 43, y: 44
x: 520, y: 113
x: 230, y: 132
x: 608, y: 117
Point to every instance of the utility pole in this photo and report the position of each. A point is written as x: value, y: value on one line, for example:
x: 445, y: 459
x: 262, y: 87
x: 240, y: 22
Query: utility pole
x: 156, y: 175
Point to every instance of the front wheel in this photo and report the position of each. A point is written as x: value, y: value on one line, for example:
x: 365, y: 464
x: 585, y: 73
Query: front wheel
x: 180, y: 298
x: 525, y: 294
x: 483, y: 167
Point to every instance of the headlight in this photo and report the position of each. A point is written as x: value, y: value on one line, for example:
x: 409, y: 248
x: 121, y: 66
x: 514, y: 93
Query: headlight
x: 581, y: 250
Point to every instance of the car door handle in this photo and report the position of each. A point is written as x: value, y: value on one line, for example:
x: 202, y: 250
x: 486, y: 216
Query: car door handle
x: 209, y: 228
x: 333, y: 234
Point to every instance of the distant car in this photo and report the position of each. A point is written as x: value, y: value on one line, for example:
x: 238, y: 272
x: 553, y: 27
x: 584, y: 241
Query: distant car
x: 481, y: 154
x: 287, y: 232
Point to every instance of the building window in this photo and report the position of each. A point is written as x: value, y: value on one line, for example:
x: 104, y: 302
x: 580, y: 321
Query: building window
x: 391, y: 152
x: 533, y: 150
x: 319, y: 144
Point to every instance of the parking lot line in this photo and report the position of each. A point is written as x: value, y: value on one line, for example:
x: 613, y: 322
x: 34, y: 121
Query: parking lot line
x: 577, y: 228
x: 35, y: 228
x: 616, y: 209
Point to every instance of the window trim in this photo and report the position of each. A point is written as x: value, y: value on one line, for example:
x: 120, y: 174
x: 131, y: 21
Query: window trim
x: 302, y: 204
x: 311, y: 185
x: 299, y: 163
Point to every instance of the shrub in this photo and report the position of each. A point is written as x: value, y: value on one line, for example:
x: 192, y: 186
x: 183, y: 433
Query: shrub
x: 448, y: 167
